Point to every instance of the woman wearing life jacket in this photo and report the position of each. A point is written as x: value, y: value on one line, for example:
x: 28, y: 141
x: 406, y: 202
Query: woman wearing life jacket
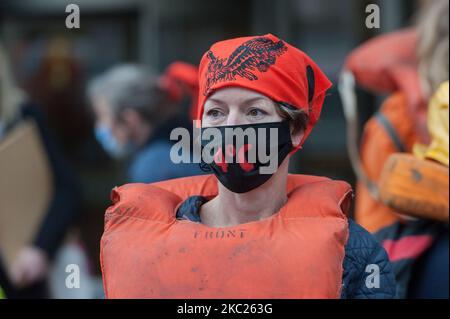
x: 250, y: 230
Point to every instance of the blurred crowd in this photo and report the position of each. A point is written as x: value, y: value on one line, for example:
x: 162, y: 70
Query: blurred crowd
x: 116, y: 127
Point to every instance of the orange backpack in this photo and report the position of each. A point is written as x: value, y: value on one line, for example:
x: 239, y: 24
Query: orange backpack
x: 296, y: 253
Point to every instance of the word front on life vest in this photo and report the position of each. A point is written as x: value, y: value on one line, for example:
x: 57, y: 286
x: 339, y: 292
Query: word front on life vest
x: 220, y: 234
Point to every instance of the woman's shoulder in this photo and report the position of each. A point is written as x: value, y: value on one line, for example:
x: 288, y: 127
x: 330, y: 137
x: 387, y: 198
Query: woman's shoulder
x: 143, y: 201
x: 367, y: 270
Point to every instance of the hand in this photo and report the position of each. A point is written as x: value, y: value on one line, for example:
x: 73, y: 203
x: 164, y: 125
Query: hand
x: 30, y: 266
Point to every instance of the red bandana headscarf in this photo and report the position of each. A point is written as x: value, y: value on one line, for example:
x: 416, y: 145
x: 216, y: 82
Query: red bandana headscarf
x: 269, y: 66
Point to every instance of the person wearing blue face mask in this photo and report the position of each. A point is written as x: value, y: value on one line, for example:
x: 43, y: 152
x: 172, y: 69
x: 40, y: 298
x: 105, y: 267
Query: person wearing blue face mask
x: 134, y: 117
x: 105, y: 136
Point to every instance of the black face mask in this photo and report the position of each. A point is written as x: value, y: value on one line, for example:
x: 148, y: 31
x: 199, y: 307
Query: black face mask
x: 236, y: 161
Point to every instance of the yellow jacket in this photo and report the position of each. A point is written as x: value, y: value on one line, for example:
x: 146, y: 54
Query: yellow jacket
x: 437, y: 123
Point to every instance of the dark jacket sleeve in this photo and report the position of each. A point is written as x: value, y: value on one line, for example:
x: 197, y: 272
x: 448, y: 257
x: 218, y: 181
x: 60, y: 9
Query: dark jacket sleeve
x: 367, y: 271
x: 64, y: 205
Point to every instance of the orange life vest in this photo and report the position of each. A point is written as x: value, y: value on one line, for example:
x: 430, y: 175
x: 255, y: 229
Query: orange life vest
x: 296, y: 253
x: 376, y: 146
x: 388, y: 64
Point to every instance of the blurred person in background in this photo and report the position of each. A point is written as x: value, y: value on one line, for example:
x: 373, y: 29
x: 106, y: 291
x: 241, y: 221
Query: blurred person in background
x: 135, y: 113
x: 31, y: 267
x: 56, y: 82
x: 409, y: 64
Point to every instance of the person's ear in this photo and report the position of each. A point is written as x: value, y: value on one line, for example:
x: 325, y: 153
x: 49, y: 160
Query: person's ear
x: 297, y: 137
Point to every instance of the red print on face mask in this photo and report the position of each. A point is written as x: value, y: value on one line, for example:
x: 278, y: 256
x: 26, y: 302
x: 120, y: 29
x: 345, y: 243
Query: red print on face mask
x: 220, y: 158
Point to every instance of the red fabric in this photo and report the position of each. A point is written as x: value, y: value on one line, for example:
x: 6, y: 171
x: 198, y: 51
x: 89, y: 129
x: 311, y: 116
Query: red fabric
x: 377, y: 62
x: 183, y: 72
x: 267, y: 65
x: 407, y: 247
x: 180, y: 79
x: 388, y: 64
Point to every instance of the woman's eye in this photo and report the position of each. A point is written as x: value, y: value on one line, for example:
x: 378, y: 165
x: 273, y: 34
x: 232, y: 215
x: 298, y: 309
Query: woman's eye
x: 214, y: 113
x: 256, y: 112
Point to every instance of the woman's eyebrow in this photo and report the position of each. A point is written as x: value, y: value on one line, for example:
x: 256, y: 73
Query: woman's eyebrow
x: 253, y: 100
x: 216, y: 101
x: 245, y: 102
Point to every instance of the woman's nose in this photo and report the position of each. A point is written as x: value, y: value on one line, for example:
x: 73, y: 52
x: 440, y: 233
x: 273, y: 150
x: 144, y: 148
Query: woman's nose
x: 235, y: 118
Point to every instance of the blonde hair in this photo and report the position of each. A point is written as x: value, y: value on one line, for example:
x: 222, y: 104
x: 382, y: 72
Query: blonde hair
x: 10, y: 96
x: 433, y: 45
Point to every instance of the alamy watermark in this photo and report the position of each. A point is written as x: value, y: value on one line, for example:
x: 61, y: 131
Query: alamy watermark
x: 73, y: 277
x: 73, y: 18
x: 373, y: 17
x: 373, y: 277
x: 226, y: 145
